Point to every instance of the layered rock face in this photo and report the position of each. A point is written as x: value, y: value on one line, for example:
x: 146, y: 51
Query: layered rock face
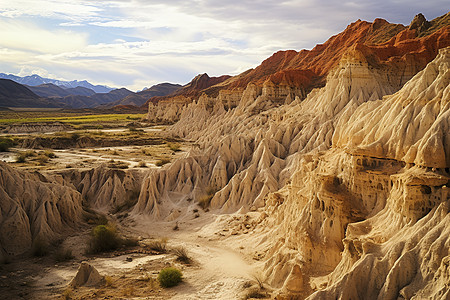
x: 345, y: 176
x: 38, y: 207
x: 105, y: 189
x: 33, y: 207
x: 167, y: 109
x: 399, y: 50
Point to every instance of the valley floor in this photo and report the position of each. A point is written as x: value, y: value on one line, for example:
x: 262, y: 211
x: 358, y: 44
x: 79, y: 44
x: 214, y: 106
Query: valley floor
x: 218, y: 270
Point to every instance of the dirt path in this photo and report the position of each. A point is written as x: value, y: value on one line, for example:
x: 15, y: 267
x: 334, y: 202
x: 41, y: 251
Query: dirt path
x: 218, y: 271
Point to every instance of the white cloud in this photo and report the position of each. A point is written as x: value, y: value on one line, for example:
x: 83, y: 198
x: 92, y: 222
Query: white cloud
x: 30, y: 38
x: 49, y: 8
x: 129, y: 42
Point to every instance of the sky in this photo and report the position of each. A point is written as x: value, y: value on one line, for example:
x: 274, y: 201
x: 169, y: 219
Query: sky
x: 139, y: 43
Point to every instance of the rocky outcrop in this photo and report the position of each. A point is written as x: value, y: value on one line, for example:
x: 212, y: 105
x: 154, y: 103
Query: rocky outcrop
x: 339, y: 174
x: 410, y: 126
x: 168, y: 109
x: 87, y: 275
x: 369, y: 222
x: 105, y: 189
x: 34, y: 207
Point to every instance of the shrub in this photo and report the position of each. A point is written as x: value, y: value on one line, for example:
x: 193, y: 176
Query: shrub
x: 109, y: 281
x: 256, y: 293
x: 63, y: 255
x: 162, y: 162
x: 142, y: 164
x: 40, y: 247
x: 204, y: 201
x: 42, y: 159
x: 104, y: 238
x: 169, y: 277
x: 20, y: 157
x: 5, y: 144
x: 174, y: 147
x: 49, y: 154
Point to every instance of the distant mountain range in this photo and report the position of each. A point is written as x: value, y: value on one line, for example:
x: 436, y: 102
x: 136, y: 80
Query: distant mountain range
x: 51, y: 90
x: 13, y: 94
x: 35, y: 80
x: 140, y: 98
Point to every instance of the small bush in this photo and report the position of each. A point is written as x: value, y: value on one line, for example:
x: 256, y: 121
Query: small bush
x: 142, y: 164
x: 20, y: 158
x: 49, y: 154
x: 104, y: 238
x: 204, y: 201
x: 256, y: 293
x: 162, y: 162
x: 159, y: 245
x: 175, y: 147
x: 42, y: 159
x: 40, y: 247
x: 169, y: 277
x: 117, y: 164
x: 5, y: 144
x: 63, y: 255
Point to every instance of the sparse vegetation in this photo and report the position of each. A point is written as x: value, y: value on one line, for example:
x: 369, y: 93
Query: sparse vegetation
x: 40, y: 247
x: 142, y: 164
x: 42, y: 159
x: 5, y: 144
x: 117, y: 164
x: 256, y: 293
x: 70, y: 118
x: 161, y: 162
x: 159, y: 246
x: 174, y: 147
x: 182, y: 255
x: 104, y: 238
x: 205, y: 201
x: 63, y: 255
x: 128, y: 291
x: 49, y: 154
x: 169, y: 277
x: 22, y: 156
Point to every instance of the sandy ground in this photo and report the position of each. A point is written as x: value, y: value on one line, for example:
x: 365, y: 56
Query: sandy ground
x: 216, y: 272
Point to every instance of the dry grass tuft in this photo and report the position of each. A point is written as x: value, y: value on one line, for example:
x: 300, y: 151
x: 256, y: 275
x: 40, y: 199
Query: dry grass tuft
x: 182, y: 255
x: 159, y: 246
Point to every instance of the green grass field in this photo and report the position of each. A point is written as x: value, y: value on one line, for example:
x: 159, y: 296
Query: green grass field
x: 68, y: 118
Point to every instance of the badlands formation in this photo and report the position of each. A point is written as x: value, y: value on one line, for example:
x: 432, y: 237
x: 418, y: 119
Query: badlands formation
x: 331, y: 166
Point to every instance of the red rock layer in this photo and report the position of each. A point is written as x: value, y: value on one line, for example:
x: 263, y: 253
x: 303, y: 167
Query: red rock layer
x: 385, y: 45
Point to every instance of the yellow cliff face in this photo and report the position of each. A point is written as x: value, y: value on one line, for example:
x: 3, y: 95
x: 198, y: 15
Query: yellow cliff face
x: 339, y: 176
